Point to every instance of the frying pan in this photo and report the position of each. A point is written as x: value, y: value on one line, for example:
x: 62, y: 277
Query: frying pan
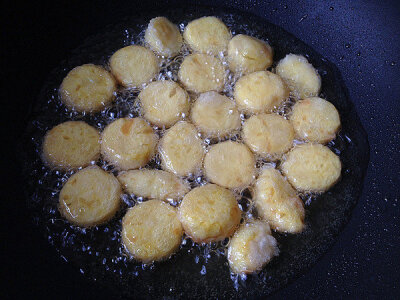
x: 360, y: 263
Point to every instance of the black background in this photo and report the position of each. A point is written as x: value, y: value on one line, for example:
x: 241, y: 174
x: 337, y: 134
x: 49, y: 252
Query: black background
x: 361, y: 37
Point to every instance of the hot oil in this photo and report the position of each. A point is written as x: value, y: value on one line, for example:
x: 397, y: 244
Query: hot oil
x: 97, y: 251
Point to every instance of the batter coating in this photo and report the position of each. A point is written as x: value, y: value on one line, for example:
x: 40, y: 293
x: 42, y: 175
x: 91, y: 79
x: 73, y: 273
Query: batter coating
x: 315, y: 120
x: 215, y: 115
x: 88, y: 88
x: 277, y: 202
x: 201, y: 73
x: 209, y: 213
x: 181, y: 149
x: 134, y: 65
x: 90, y: 197
x: 71, y: 145
x: 268, y: 135
x: 312, y: 167
x: 207, y: 35
x: 128, y: 143
x: 164, y: 103
x: 151, y: 231
x: 301, y: 77
x: 260, y: 91
x: 229, y: 164
x: 154, y: 184
x: 251, y: 248
x: 163, y: 37
x: 247, y: 54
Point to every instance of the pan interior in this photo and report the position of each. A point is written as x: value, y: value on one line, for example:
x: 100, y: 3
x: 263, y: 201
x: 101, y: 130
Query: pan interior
x: 195, y: 270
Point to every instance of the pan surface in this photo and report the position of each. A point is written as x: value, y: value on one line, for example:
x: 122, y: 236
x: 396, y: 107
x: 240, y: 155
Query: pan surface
x: 192, y: 272
x: 361, y: 38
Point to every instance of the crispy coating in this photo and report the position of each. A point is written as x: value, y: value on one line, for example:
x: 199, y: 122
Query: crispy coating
x: 90, y: 197
x: 151, y: 231
x: 181, y: 149
x: 268, y: 135
x: 163, y: 37
x: 312, y: 167
x: 209, y: 213
x: 277, y: 202
x: 71, y: 145
x: 247, y: 54
x: 259, y: 92
x: 201, y: 73
x: 154, y: 184
x: 88, y: 88
x: 215, y: 115
x: 164, y: 103
x: 207, y: 35
x: 302, y: 78
x: 128, y: 143
x: 134, y: 65
x: 229, y: 164
x: 315, y: 120
x: 251, y: 248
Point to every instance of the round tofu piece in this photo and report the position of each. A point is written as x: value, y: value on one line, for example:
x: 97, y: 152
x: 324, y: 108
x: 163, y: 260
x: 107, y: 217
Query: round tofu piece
x: 151, y: 231
x: 247, y: 54
x: 207, y: 35
x: 301, y: 77
x: 154, y: 184
x: 201, y: 73
x: 259, y: 92
x: 251, y: 248
x: 88, y: 88
x: 268, y: 135
x: 164, y: 103
x: 134, y: 65
x: 315, y: 120
x: 181, y: 149
x: 71, y: 145
x: 229, y: 164
x: 90, y: 197
x: 163, y: 37
x: 128, y: 143
x: 215, y: 115
x: 209, y: 213
x: 277, y: 202
x: 312, y: 167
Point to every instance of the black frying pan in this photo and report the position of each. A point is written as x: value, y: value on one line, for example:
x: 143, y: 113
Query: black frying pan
x: 326, y: 216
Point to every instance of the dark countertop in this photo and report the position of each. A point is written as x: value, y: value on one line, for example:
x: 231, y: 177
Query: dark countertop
x: 361, y: 37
